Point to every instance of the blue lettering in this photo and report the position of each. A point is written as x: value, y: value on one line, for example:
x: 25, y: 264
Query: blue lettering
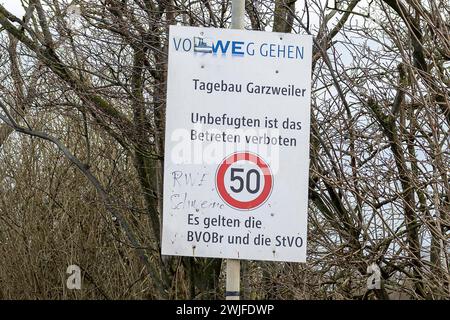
x: 236, y: 48
x: 187, y: 44
x: 263, y: 51
x: 281, y: 51
x: 250, y: 51
x: 272, y: 50
x: 300, y: 51
x: 177, y: 45
x: 223, y: 48
x: 290, y: 52
x: 241, y: 48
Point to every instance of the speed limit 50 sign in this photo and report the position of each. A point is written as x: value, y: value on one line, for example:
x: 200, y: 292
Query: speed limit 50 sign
x: 244, y: 181
x: 237, y: 144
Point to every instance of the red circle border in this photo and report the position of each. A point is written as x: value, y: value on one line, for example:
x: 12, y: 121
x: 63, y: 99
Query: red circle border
x: 224, y: 194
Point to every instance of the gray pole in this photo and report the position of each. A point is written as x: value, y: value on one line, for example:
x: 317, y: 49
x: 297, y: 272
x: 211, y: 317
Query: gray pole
x: 237, y: 14
x: 234, y: 266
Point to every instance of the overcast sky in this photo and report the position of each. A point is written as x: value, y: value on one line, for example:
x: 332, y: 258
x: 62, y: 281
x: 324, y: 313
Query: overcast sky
x: 14, y: 7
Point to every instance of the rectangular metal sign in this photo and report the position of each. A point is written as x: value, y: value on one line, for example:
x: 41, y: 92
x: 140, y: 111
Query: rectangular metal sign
x: 237, y: 144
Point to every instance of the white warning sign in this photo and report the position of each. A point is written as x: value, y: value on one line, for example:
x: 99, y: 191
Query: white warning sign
x: 237, y: 144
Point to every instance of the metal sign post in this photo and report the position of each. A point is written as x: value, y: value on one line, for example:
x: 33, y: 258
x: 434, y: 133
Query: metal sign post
x: 237, y: 146
x: 234, y: 266
x: 233, y: 279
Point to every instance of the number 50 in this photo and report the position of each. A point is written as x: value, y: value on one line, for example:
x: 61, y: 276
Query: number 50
x: 245, y: 180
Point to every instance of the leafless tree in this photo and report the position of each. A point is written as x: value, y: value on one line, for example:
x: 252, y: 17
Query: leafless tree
x: 82, y: 114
